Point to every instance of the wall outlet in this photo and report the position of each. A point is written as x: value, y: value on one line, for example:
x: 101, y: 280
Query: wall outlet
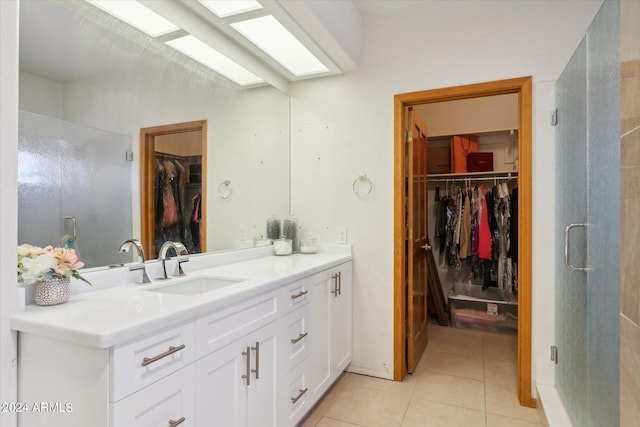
x: 243, y: 233
x: 342, y: 235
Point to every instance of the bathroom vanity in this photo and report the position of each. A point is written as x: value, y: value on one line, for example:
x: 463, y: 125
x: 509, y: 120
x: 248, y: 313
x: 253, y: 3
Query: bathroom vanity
x: 253, y: 342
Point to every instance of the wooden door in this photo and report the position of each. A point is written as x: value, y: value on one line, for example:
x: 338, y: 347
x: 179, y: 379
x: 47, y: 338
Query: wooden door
x: 417, y: 246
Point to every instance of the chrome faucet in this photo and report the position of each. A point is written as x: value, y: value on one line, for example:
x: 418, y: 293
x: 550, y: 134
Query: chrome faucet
x: 125, y: 246
x: 180, y: 251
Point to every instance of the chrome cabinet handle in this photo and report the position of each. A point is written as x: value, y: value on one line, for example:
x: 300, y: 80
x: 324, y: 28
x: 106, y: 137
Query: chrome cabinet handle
x: 567, y: 257
x: 248, y: 354
x: 335, y: 284
x: 257, y: 350
x: 297, y: 340
x: 340, y: 283
x: 299, y: 294
x: 173, y: 423
x: 300, y: 394
x: 149, y: 360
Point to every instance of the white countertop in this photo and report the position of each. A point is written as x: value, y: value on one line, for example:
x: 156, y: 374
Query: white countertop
x: 115, y: 315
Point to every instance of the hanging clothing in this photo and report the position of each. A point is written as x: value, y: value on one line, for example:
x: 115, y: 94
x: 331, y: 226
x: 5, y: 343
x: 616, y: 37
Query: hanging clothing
x: 484, y: 237
x: 465, y: 229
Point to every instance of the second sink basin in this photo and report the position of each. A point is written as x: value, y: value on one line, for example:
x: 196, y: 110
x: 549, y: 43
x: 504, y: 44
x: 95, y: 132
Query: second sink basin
x: 196, y: 286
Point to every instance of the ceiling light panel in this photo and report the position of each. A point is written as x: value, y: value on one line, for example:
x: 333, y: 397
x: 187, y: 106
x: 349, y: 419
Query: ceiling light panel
x: 224, y: 8
x: 137, y: 15
x: 275, y: 40
x: 206, y: 55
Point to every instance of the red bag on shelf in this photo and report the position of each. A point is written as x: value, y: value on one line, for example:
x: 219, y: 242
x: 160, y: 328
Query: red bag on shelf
x: 480, y: 162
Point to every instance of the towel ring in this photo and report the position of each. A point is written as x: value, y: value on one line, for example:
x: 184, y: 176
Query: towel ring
x: 362, y: 186
x: 225, y: 190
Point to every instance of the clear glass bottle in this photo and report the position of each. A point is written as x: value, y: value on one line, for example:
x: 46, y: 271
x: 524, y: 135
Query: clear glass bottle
x: 290, y: 231
x: 273, y: 228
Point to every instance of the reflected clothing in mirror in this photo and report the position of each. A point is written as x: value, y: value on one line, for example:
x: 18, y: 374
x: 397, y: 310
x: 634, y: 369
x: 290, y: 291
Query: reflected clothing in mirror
x: 173, y: 214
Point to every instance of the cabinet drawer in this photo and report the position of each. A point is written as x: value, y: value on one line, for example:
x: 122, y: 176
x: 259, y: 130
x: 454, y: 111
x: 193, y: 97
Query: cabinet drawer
x: 296, y: 339
x: 138, y: 364
x: 170, y: 401
x: 219, y: 329
x: 296, y: 397
x: 294, y: 296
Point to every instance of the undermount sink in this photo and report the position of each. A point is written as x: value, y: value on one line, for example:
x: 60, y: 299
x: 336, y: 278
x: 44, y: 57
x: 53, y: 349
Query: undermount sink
x: 196, y: 286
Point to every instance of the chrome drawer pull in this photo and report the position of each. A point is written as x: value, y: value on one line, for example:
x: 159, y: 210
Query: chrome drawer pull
x: 149, y: 360
x: 302, y: 392
x: 296, y: 340
x: 299, y: 294
x: 176, y: 422
x: 336, y: 289
x: 257, y: 370
x: 248, y: 354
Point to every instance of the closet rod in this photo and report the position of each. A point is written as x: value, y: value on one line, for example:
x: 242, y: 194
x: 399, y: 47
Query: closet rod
x: 470, y: 179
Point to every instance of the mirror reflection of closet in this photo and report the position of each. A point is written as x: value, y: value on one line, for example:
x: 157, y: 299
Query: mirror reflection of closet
x: 173, y: 179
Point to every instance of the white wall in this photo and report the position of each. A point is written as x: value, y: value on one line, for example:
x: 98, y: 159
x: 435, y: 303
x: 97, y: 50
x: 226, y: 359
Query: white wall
x: 343, y: 127
x: 9, y: 205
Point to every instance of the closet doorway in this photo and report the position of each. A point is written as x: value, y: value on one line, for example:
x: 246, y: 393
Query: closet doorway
x: 173, y: 186
x: 523, y: 88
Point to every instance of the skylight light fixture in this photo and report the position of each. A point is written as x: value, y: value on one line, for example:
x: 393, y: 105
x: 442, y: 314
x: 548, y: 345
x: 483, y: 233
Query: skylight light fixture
x: 224, y: 8
x: 137, y: 15
x: 275, y: 40
x: 206, y: 55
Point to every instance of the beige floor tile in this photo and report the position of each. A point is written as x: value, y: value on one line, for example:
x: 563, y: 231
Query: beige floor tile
x: 501, y: 371
x: 450, y: 390
x: 424, y: 413
x: 310, y: 420
x: 469, y: 365
x: 368, y: 407
x: 494, y: 420
x: 500, y: 346
x: 395, y: 387
x: 328, y: 422
x: 463, y: 342
x: 502, y: 399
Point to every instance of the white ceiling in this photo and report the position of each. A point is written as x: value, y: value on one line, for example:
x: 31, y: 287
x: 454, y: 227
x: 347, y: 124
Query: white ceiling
x: 61, y: 44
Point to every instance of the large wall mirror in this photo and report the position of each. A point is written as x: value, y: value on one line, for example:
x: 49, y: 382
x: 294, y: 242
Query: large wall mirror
x: 88, y: 85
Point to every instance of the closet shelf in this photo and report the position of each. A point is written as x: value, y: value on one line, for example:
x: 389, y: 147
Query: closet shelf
x: 488, y: 175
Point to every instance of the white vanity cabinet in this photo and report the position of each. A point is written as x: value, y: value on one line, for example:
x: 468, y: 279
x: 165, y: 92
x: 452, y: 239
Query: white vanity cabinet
x: 330, y: 325
x: 261, y: 361
x: 142, y: 383
x: 237, y: 384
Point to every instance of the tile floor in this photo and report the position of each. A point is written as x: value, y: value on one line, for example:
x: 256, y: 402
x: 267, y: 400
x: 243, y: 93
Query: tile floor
x: 464, y: 378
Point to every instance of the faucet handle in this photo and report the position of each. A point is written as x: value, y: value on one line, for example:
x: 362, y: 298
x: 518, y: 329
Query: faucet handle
x: 145, y: 276
x: 180, y: 271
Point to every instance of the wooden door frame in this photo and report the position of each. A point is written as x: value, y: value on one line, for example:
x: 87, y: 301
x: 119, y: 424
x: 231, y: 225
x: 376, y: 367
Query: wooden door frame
x: 523, y: 87
x: 147, y: 150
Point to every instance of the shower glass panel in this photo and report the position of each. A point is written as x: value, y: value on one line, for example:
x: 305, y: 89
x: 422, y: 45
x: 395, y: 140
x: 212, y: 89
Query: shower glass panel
x: 571, y: 208
x: 74, y: 177
x: 588, y: 192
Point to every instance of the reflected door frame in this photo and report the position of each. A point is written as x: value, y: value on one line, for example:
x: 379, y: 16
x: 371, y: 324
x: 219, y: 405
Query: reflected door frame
x: 147, y: 154
x: 523, y: 87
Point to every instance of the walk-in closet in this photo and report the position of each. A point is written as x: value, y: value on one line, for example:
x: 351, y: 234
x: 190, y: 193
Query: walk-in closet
x: 472, y: 211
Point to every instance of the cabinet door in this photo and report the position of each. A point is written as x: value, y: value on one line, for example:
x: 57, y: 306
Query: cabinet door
x: 221, y: 390
x: 318, y: 327
x: 341, y: 319
x: 236, y: 385
x: 263, y: 388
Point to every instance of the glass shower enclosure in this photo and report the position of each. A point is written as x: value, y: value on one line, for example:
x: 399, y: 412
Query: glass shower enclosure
x: 588, y: 225
x: 74, y: 184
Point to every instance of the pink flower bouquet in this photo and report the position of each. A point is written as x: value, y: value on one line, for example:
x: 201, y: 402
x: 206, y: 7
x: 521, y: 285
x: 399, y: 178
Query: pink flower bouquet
x: 35, y: 263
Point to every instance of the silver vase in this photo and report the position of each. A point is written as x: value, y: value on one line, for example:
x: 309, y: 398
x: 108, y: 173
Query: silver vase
x: 52, y: 291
